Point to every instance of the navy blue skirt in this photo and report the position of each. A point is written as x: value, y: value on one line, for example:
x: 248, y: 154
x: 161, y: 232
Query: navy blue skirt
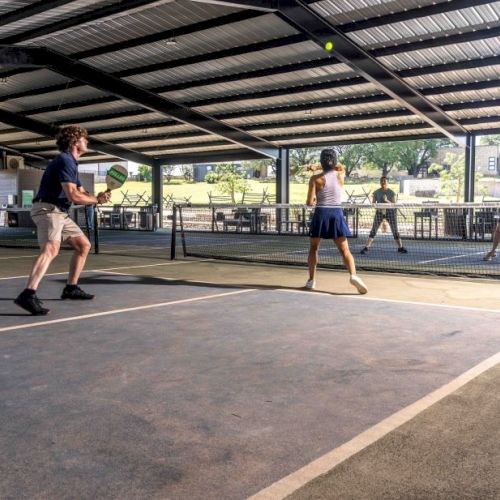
x: 329, y: 223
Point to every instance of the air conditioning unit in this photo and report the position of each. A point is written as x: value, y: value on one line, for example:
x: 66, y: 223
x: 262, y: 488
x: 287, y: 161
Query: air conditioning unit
x: 14, y: 162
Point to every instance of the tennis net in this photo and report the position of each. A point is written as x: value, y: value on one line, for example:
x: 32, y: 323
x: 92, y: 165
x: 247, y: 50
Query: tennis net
x: 17, y: 229
x: 444, y: 239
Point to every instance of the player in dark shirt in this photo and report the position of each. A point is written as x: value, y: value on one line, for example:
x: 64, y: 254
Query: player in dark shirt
x: 59, y: 188
x: 384, y: 195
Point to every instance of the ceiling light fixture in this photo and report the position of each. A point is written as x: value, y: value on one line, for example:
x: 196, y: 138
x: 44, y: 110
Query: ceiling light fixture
x: 171, y: 41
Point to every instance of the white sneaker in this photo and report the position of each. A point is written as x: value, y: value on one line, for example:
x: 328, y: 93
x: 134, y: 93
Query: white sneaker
x: 310, y: 284
x: 359, y: 284
x: 490, y: 256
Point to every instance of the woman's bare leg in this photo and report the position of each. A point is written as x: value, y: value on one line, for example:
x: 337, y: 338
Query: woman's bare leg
x: 347, y: 257
x: 312, y: 259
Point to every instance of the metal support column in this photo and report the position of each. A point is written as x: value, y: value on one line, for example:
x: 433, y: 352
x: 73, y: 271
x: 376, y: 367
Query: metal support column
x: 283, y: 176
x: 470, y: 167
x: 157, y: 190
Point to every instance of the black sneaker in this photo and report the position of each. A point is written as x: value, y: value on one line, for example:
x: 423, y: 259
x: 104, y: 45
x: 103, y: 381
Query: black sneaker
x: 402, y: 250
x: 364, y: 251
x: 32, y: 304
x: 76, y: 294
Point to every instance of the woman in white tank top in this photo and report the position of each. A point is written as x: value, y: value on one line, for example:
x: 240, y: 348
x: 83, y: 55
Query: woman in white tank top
x: 328, y: 222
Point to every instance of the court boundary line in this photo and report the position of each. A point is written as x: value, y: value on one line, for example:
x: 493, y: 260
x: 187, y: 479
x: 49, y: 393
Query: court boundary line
x: 118, y: 311
x: 170, y: 263
x: 395, y: 301
x: 20, y: 256
x: 326, y: 463
x: 450, y: 257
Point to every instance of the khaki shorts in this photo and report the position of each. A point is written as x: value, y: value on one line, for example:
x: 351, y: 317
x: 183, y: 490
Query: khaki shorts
x: 53, y: 224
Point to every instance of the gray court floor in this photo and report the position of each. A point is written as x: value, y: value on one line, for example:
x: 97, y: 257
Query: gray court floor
x: 172, y: 387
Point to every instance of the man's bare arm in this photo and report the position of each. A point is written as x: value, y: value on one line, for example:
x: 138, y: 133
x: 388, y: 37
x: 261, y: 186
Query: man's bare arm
x: 79, y: 197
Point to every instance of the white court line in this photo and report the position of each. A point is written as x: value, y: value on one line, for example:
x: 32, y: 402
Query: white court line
x: 170, y: 263
x: 118, y: 311
x: 20, y: 257
x: 327, y: 462
x: 395, y: 301
x: 449, y: 258
x: 308, y: 292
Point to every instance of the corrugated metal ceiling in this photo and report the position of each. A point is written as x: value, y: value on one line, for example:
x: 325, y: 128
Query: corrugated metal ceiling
x: 253, y: 71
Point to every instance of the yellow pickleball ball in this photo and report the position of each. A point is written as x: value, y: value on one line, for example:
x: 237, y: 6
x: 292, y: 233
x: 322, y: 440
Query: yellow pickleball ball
x: 328, y: 46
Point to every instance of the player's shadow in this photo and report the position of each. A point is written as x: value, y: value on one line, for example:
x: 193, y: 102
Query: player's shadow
x: 106, y: 279
x: 120, y: 280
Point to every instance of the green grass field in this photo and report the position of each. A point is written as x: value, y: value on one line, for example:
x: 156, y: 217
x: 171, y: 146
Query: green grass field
x: 198, y: 191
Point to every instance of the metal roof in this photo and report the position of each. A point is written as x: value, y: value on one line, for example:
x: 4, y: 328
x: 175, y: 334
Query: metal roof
x: 167, y: 78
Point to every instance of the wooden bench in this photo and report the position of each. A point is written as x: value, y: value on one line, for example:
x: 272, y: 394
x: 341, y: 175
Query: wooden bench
x: 258, y: 198
x: 219, y: 199
x: 134, y: 200
x: 169, y: 200
x: 253, y: 198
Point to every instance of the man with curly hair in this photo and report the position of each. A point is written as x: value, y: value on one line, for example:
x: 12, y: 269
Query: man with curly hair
x: 59, y: 188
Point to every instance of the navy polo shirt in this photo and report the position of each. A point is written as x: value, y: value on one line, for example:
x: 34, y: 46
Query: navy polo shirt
x: 63, y: 168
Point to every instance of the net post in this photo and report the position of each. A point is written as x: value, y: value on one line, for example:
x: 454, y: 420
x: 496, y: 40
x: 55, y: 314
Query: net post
x: 96, y: 231
x: 174, y: 231
x: 183, y: 235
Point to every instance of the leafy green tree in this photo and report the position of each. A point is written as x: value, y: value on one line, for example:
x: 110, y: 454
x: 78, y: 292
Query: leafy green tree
x: 146, y: 173
x: 352, y: 157
x: 230, y: 179
x: 413, y: 155
x: 382, y: 156
x: 168, y: 172
x: 452, y: 175
x: 187, y: 172
x: 300, y: 159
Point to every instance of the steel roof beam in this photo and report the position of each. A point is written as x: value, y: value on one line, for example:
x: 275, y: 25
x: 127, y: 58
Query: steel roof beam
x: 81, y: 18
x: 295, y: 108
x: 259, y: 5
x: 287, y: 124
x: 411, y: 14
x: 345, y: 50
x: 189, y: 29
x: 396, y: 138
x: 43, y: 129
x: 330, y: 85
x: 279, y: 70
x: 79, y: 71
x: 220, y: 54
x: 156, y: 37
x: 430, y: 43
x: 31, y: 10
x: 138, y: 139
x: 215, y: 100
x: 210, y: 157
x: 401, y: 48
x: 450, y: 66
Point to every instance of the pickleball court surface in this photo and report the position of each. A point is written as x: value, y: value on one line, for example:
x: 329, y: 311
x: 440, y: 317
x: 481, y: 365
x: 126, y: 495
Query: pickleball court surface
x: 199, y: 380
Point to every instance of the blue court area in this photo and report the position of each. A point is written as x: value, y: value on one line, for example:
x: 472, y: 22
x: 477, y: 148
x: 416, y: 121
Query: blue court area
x: 171, y: 388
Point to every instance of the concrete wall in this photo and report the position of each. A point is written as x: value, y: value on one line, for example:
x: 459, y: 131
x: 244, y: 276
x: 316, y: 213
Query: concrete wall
x: 30, y: 179
x: 492, y: 185
x: 423, y: 187
x: 8, y: 184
